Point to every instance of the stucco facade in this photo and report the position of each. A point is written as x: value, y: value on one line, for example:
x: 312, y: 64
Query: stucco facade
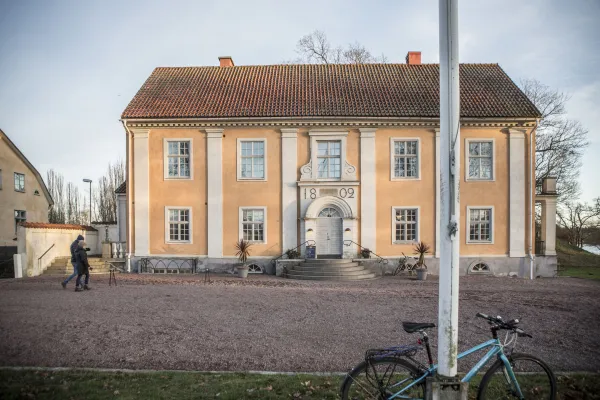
x: 27, y: 196
x: 197, y: 183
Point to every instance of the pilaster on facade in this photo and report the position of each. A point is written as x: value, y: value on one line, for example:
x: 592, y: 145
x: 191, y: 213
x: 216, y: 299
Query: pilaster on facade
x: 214, y: 173
x: 517, y: 192
x: 368, y: 199
x: 289, y: 187
x: 548, y: 223
x: 141, y: 176
x: 437, y: 192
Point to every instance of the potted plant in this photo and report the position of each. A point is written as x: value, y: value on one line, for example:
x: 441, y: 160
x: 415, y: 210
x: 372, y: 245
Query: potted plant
x: 292, y: 254
x: 365, y: 253
x: 421, y: 249
x: 242, y: 253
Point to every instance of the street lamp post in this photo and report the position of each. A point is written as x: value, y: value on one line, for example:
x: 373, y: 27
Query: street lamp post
x: 90, y: 182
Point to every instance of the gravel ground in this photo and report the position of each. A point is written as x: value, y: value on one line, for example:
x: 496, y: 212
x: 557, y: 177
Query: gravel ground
x: 268, y: 323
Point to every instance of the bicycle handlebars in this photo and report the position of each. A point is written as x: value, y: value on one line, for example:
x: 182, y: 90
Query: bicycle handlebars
x: 498, y: 323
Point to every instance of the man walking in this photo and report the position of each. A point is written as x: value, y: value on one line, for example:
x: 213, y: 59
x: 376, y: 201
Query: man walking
x: 83, y: 267
x: 73, y: 249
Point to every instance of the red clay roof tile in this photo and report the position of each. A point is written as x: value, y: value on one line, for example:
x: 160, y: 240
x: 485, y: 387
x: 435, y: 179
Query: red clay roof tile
x: 343, y: 90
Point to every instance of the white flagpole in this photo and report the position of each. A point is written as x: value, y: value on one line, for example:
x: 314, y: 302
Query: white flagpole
x: 449, y: 190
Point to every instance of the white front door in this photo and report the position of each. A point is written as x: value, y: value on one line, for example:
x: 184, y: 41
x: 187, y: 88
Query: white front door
x: 329, y: 233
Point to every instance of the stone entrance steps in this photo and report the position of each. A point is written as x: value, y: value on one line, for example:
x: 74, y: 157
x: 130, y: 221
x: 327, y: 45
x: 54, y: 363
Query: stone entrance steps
x: 62, y: 266
x: 329, y: 270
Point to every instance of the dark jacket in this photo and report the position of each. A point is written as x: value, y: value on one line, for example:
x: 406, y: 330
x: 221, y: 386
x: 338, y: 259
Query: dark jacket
x: 83, y: 265
x: 74, y: 247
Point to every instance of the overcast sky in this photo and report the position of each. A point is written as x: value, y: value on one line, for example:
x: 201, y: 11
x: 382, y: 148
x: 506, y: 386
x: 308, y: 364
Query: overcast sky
x: 69, y: 68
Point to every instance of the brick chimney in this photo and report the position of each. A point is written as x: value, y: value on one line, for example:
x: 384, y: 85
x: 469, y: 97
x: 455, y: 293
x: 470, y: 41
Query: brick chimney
x: 226, y: 61
x: 413, y: 58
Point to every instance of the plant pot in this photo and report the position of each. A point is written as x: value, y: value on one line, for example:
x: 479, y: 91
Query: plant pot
x: 421, y: 274
x: 242, y: 271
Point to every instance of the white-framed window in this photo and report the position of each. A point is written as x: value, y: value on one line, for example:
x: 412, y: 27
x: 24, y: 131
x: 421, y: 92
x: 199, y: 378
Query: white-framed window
x: 253, y: 227
x: 252, y: 159
x: 19, y: 182
x: 405, y: 158
x: 178, y: 158
x: 178, y: 224
x: 329, y: 159
x: 480, y: 224
x: 405, y: 224
x: 480, y: 159
x: 20, y: 216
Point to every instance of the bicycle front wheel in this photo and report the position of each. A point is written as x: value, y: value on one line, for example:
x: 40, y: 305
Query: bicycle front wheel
x: 381, y: 379
x: 534, y: 377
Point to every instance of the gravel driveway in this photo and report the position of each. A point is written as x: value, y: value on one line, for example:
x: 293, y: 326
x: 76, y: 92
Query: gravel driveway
x: 267, y: 323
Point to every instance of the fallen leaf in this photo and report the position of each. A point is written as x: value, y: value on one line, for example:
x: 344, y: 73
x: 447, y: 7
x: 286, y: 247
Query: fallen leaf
x: 116, y: 393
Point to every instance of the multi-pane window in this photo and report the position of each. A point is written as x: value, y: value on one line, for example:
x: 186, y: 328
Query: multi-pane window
x: 179, y: 225
x: 178, y: 159
x: 20, y: 216
x: 480, y: 225
x: 19, y: 182
x: 329, y: 156
x: 405, y: 224
x: 252, y: 159
x: 406, y: 161
x: 481, y: 159
x: 253, y: 224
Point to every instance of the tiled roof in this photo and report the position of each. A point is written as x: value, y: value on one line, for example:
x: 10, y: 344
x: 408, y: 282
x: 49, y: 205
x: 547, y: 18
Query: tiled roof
x: 58, y: 226
x: 122, y: 189
x: 344, y: 90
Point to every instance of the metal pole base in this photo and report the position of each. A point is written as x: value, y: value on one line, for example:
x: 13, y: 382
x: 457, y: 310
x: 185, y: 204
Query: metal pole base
x: 441, y: 388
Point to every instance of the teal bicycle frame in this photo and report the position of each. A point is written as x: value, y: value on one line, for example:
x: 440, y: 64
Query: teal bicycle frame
x: 496, y: 350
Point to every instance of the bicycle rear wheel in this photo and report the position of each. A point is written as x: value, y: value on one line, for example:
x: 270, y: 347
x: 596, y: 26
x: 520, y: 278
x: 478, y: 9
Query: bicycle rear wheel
x: 534, y: 377
x: 380, y: 379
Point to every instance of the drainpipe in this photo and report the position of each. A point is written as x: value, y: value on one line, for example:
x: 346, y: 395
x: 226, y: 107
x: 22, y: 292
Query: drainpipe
x: 532, y: 202
x: 128, y: 194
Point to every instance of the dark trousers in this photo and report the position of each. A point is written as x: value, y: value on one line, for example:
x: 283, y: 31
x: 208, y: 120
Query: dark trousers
x: 87, y: 279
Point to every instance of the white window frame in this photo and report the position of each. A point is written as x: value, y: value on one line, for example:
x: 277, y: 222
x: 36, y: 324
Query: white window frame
x: 166, y: 158
x: 167, y: 227
x: 239, y: 159
x: 20, y: 219
x: 348, y: 172
x: 328, y: 157
x: 14, y: 183
x: 418, y: 224
x: 393, y: 159
x: 468, y: 225
x: 241, y: 223
x: 467, y: 156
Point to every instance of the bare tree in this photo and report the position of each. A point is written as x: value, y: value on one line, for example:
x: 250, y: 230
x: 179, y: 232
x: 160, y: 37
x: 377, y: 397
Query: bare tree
x: 105, y: 198
x: 315, y: 48
x: 579, y: 220
x: 55, y: 181
x: 560, y: 142
x: 73, y: 210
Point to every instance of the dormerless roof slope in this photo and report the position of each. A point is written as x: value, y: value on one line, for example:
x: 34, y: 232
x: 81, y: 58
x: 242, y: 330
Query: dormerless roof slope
x: 334, y: 90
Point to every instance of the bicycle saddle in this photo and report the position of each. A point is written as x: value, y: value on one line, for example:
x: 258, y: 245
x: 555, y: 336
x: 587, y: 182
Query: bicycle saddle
x: 412, y: 327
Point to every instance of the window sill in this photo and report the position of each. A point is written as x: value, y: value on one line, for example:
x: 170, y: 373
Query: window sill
x: 251, y: 179
x: 418, y: 178
x: 255, y: 242
x: 178, y: 178
x: 19, y: 191
x: 179, y: 242
x: 479, y: 180
x: 472, y: 242
x: 405, y: 242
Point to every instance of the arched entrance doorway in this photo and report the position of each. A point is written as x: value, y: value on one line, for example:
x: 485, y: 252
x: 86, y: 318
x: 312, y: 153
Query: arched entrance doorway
x: 330, y: 238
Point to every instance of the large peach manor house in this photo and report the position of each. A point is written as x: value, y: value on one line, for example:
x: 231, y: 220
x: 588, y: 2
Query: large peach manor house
x: 344, y: 157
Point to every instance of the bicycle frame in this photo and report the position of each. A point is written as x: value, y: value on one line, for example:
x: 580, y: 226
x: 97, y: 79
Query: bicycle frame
x: 497, y: 349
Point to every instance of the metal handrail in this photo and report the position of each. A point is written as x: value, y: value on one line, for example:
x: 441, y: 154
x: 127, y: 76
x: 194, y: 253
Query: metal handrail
x: 381, y: 259
x: 302, y: 244
x: 40, y: 257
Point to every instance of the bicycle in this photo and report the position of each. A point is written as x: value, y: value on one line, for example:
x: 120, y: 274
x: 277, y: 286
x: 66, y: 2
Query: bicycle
x: 404, y: 265
x: 394, y: 373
